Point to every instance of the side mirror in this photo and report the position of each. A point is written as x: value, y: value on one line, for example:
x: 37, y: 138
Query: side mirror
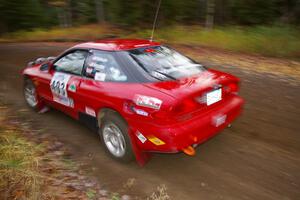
x: 40, y: 60
x: 30, y: 64
x: 46, y: 66
x: 50, y: 63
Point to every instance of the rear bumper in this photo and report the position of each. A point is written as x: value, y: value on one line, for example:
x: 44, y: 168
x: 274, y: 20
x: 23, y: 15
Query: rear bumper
x: 194, y: 131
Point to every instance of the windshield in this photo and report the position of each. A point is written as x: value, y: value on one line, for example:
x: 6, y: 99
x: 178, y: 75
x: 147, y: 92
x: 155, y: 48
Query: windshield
x: 165, y: 63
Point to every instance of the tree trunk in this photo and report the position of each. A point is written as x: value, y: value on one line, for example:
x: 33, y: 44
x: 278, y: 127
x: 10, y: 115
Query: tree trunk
x: 99, y: 11
x: 210, y: 13
x: 201, y: 11
x: 60, y: 16
x: 69, y: 14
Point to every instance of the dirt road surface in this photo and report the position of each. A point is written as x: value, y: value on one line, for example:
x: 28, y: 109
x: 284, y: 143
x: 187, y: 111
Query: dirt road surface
x: 258, y: 158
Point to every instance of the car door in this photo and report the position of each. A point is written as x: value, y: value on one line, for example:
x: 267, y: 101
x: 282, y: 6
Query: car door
x: 102, y: 76
x: 65, y: 77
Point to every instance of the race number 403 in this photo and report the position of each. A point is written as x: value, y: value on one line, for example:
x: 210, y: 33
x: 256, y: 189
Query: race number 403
x: 59, y: 84
x: 58, y: 87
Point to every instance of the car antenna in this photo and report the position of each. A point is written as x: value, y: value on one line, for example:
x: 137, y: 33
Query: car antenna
x: 155, y: 19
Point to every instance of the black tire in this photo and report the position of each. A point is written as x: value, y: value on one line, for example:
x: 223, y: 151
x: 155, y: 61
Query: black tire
x: 29, y: 84
x: 114, y: 118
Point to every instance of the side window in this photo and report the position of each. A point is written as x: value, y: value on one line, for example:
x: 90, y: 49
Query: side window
x: 102, y: 66
x: 71, y: 63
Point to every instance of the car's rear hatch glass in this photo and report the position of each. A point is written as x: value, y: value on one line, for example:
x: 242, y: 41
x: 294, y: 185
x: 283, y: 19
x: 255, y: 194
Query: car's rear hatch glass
x: 164, y: 63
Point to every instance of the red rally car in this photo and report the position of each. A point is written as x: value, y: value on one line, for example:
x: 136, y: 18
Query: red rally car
x: 140, y: 95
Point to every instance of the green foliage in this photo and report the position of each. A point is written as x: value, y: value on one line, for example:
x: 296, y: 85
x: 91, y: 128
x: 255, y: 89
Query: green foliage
x: 16, y: 14
x: 254, y: 11
x: 84, y: 11
x: 264, y: 32
x: 28, y: 14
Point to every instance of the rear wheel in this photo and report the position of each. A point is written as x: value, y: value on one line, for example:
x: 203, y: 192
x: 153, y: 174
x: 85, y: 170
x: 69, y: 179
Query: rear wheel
x: 30, y: 94
x: 114, y: 135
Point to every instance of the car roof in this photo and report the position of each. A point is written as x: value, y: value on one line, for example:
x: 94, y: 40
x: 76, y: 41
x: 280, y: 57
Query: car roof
x: 117, y: 44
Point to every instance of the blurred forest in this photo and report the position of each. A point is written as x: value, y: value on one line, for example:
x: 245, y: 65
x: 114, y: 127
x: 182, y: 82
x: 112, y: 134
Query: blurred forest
x: 27, y: 14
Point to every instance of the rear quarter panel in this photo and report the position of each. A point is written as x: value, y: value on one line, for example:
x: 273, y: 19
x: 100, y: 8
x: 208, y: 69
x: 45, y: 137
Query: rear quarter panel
x: 117, y: 96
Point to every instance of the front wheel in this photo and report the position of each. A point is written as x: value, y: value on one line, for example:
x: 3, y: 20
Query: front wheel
x: 30, y: 94
x: 114, y: 135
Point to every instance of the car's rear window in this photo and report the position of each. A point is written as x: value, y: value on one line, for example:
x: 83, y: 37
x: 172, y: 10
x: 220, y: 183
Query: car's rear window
x: 165, y: 63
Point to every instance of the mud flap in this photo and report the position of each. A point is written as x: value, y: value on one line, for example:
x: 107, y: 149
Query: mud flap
x: 141, y: 157
x: 43, y: 109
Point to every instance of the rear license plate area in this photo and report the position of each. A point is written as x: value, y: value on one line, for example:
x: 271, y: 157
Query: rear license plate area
x: 213, y: 96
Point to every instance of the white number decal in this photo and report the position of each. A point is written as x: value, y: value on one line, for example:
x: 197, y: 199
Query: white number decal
x: 58, y: 87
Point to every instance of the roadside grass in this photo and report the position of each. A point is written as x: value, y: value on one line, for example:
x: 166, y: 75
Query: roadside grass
x: 36, y: 167
x: 19, y: 166
x: 81, y: 33
x: 268, y: 41
x: 275, y: 41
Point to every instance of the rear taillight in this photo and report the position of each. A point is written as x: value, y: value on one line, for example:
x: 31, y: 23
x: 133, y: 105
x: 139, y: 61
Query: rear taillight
x: 187, y: 105
x: 232, y: 88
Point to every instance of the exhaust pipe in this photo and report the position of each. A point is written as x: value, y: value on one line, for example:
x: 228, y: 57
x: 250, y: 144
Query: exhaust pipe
x: 189, y: 151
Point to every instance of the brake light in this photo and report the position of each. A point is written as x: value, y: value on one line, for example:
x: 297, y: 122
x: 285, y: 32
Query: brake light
x: 233, y: 88
x: 186, y: 106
